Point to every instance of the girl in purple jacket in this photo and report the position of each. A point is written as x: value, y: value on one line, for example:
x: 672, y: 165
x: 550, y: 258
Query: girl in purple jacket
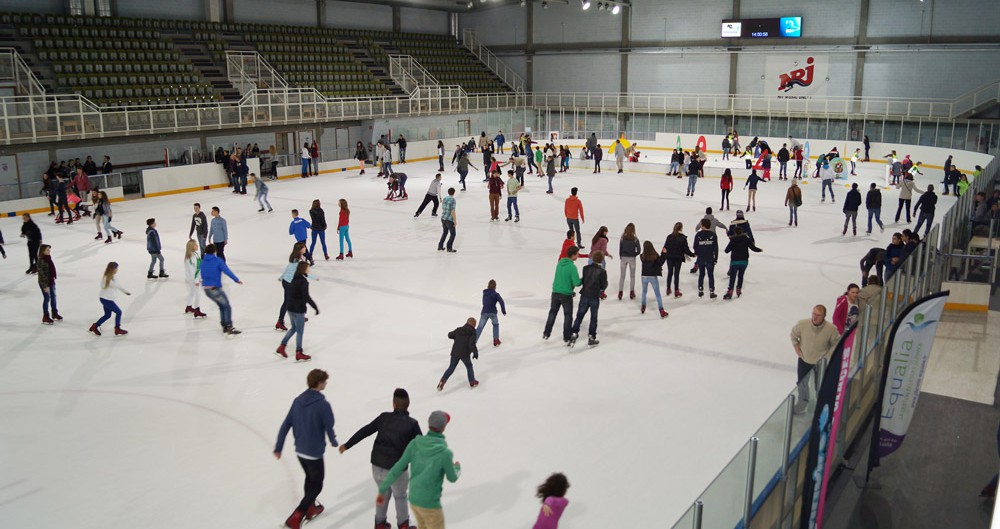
x: 554, y: 502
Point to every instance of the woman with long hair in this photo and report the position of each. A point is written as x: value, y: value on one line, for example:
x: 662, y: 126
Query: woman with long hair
x: 361, y: 155
x: 628, y: 250
x: 109, y: 230
x: 109, y: 288
x: 297, y: 297
x: 600, y: 244
x: 554, y: 502
x: 47, y: 282
x: 440, y: 153
x: 727, y: 185
x: 95, y: 200
x: 652, y: 269
x: 297, y: 256
x: 318, y: 217
x: 677, y: 250
x: 343, y: 229
x: 192, y: 276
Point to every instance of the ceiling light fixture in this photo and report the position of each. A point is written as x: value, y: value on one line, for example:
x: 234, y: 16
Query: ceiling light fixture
x: 615, y: 10
x: 586, y: 4
x: 545, y: 5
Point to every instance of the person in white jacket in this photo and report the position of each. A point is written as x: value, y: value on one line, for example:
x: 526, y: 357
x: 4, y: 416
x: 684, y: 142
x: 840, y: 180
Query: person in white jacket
x: 192, y: 277
x: 906, y: 187
x: 827, y: 175
x: 109, y: 290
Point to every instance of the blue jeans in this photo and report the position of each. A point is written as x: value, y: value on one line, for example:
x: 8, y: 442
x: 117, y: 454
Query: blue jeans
x: 492, y: 316
x: 706, y: 267
x: 550, y: 184
x: 109, y: 307
x: 343, y: 232
x: 793, y: 215
x: 877, y: 214
x: 109, y: 230
x: 462, y: 173
x: 564, y: 301
x: 298, y: 320
x: 574, y: 224
x: 512, y: 202
x: 921, y: 219
x: 591, y: 304
x: 305, y: 167
x: 321, y: 234
x: 828, y: 184
x: 674, y: 166
x: 736, y: 271
x: 447, y: 231
x: 153, y: 258
x: 655, y: 283
x: 454, y: 363
x: 262, y: 198
x: 49, y: 300
x: 220, y: 298
x: 692, y: 181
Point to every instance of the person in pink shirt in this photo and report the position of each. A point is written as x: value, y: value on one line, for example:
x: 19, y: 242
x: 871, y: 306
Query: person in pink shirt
x: 554, y: 502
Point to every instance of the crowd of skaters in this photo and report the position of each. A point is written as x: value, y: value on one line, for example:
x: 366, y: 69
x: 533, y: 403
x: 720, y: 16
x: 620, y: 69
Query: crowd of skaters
x: 205, y: 263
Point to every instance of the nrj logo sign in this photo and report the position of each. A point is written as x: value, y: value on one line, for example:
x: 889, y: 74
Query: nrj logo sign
x: 799, y: 77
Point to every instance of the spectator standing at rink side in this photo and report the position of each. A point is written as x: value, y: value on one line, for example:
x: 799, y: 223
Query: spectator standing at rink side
x: 401, y: 144
x: 499, y: 139
x: 311, y: 420
x: 107, y: 168
x: 430, y: 462
x: 393, y: 432
x: 314, y: 158
x: 813, y: 339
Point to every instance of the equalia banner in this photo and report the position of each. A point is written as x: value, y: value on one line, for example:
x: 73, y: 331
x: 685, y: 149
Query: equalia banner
x: 906, y: 355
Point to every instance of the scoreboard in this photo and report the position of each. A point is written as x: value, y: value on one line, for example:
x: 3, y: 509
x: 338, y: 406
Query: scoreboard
x: 762, y: 28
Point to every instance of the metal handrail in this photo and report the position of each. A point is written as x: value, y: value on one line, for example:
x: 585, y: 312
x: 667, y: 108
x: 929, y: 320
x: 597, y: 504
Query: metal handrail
x: 472, y: 43
x: 260, y: 73
x: 21, y: 74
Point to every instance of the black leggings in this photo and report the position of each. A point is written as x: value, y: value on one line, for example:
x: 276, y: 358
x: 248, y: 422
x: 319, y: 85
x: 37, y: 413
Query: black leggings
x: 725, y: 199
x: 899, y: 209
x: 674, y: 272
x: 314, y: 482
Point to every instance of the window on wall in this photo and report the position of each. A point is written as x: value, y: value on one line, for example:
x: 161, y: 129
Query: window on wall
x: 76, y: 7
x: 103, y: 8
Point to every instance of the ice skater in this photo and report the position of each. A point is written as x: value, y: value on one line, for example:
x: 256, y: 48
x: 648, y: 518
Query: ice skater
x: 677, y: 250
x: 554, y: 502
x: 297, y: 256
x: 594, y: 283
x: 218, y: 234
x: 463, y: 349
x: 826, y: 180
x: 726, y: 185
x: 514, y: 186
x: 261, y: 193
x: 652, y: 270
x: 212, y: 268
x: 906, y: 188
x: 107, y: 214
x: 310, y: 419
x: 573, y: 210
x: 154, y: 248
x: 318, y: 224
x: 752, y: 182
x: 30, y: 231
x: 739, y: 248
x: 694, y: 172
x: 873, y: 203
x: 851, y: 205
x: 343, y: 230
x: 296, y: 298
x: 109, y: 288
x: 567, y: 278
x: 925, y: 205
x: 491, y: 298
x: 628, y: 251
x: 199, y: 227
x: 298, y: 228
x: 433, y: 194
x: 192, y: 277
x: 793, y: 200
x: 449, y: 221
x: 47, y: 283
x: 393, y: 432
x: 706, y: 249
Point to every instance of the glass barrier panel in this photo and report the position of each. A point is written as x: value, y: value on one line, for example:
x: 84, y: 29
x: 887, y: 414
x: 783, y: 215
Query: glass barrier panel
x: 686, y: 521
x: 770, y: 447
x: 723, y: 499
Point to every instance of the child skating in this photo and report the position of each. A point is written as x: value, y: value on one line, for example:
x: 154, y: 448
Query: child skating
x: 192, y: 277
x: 490, y: 300
x: 109, y: 290
x: 463, y: 349
x: 154, y: 248
x: 554, y: 502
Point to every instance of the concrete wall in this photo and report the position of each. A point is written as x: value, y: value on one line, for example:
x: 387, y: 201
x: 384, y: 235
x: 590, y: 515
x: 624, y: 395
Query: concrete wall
x: 56, y: 7
x: 423, y: 21
x: 578, y: 73
x: 678, y: 73
x: 175, y: 9
x: 354, y: 15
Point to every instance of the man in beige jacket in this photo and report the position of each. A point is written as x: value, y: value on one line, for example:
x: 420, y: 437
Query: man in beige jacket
x: 813, y: 339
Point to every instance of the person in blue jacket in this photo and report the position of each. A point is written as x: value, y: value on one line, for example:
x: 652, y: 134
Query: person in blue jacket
x: 154, y: 248
x: 212, y: 269
x: 299, y: 228
x: 311, y: 420
x: 490, y: 299
x: 499, y: 139
x: 893, y: 255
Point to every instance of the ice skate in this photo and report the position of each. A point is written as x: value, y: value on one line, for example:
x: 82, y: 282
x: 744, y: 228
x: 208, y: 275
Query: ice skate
x: 280, y: 326
x: 701, y: 293
x: 620, y: 295
x: 56, y: 316
x: 314, y: 510
x: 474, y: 384
x: 46, y: 320
x: 631, y: 294
x: 340, y: 257
x: 94, y: 330
x: 642, y: 309
x: 199, y: 314
x: 301, y: 357
x: 294, y: 521
x: 712, y: 295
x: 728, y: 295
x: 677, y: 294
x: 440, y: 385
x: 108, y: 240
x: 663, y: 313
x: 120, y: 332
x: 592, y: 341
x: 350, y: 254
x: 739, y: 292
x: 164, y: 275
x: 572, y: 340
x: 496, y: 342
x: 99, y: 236
x: 188, y: 310
x: 280, y: 351
x: 150, y: 275
x: 326, y: 256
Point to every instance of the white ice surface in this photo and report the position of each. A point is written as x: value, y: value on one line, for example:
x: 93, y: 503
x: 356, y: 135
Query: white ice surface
x: 173, y: 425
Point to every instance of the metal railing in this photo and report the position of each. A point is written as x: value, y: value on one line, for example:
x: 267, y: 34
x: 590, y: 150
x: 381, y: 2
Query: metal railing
x: 14, y: 70
x: 778, y: 449
x: 974, y: 99
x: 22, y: 190
x: 409, y: 74
x: 248, y: 71
x: 471, y: 41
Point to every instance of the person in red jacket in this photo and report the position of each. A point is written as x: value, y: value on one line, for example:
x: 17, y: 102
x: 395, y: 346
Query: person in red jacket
x: 727, y: 186
x: 798, y: 163
x: 314, y: 152
x: 343, y: 227
x: 846, y: 312
x: 574, y: 215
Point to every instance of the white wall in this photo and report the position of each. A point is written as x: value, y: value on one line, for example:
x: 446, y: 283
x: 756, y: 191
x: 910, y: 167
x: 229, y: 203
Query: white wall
x: 502, y: 25
x: 578, y: 73
x: 841, y: 73
x: 423, y: 21
x: 819, y: 19
x: 677, y: 19
x: 354, y: 15
x: 896, y: 18
x: 561, y: 23
x: 929, y: 74
x: 675, y: 73
x: 175, y: 9
x: 184, y: 178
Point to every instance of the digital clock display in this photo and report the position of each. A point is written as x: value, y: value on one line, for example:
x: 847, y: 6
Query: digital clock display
x: 763, y: 28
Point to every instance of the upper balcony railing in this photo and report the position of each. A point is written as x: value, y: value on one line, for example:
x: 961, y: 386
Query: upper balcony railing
x: 15, y: 74
x: 471, y: 41
x: 248, y: 71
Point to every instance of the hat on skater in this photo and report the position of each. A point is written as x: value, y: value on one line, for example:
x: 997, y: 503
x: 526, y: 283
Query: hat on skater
x: 739, y: 213
x: 400, y: 393
x: 438, y: 420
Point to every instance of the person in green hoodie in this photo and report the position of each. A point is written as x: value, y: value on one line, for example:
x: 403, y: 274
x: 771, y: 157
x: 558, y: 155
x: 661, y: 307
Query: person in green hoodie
x: 430, y: 461
x: 567, y: 278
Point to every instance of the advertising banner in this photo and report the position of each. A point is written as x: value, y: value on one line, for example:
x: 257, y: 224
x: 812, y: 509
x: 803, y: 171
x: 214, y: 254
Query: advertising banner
x: 796, y: 76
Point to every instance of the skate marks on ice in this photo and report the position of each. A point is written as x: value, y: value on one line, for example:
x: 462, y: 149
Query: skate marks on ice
x: 14, y: 491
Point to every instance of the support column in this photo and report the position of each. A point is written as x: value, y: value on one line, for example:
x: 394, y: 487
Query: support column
x: 321, y: 13
x: 859, y: 66
x: 213, y: 12
x: 529, y: 48
x: 397, y: 25
x: 229, y: 11
x: 734, y: 56
x: 624, y: 50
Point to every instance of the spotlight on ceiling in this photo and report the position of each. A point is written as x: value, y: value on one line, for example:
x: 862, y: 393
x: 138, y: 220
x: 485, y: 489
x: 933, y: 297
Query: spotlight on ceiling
x: 523, y: 2
x: 545, y: 5
x: 585, y: 3
x: 469, y: 5
x: 615, y: 10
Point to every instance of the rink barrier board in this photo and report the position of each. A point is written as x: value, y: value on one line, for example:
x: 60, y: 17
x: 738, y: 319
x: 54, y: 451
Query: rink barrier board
x: 34, y: 211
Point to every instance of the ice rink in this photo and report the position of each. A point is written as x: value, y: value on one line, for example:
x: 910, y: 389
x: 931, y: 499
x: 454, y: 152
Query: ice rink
x: 173, y: 425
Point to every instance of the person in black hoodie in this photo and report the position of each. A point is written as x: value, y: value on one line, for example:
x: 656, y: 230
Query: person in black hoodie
x: 62, y: 200
x: 851, y: 205
x: 595, y: 281
x: 628, y: 250
x: 652, y: 269
x: 318, y: 228
x: 925, y: 205
x: 394, y: 431
x: 598, y: 155
x: 677, y: 250
x: 873, y: 203
x: 296, y: 299
x: 742, y: 223
x: 706, y: 248
x: 875, y: 258
x: 783, y: 157
x: 463, y: 349
x: 739, y: 247
x: 30, y: 231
